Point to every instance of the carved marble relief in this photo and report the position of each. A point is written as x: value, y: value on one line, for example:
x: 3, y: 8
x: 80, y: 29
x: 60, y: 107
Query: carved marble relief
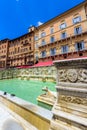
x: 83, y: 76
x: 75, y: 100
x: 38, y: 71
x: 73, y: 75
x: 62, y: 75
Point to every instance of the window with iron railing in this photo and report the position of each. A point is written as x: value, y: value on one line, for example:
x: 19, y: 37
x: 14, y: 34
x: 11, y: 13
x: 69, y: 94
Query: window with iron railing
x: 36, y: 58
x: 63, y: 35
x: 76, y: 19
x: 53, y: 51
x: 43, y: 42
x: 79, y: 46
x: 77, y: 30
x: 52, y: 39
x: 43, y: 54
x: 64, y: 49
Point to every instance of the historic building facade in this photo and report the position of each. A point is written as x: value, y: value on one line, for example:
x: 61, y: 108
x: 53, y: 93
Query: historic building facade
x: 64, y: 36
x: 3, y: 53
x: 21, y: 50
x: 17, y: 52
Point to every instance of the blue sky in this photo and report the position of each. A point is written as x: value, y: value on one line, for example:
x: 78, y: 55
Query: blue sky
x: 17, y: 15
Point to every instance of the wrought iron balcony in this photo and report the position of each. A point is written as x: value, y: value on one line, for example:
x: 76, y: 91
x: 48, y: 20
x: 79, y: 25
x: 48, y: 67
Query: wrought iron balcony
x: 68, y: 37
x: 68, y: 55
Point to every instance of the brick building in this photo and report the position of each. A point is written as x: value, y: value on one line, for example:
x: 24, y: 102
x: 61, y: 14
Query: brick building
x: 3, y: 53
x: 20, y: 50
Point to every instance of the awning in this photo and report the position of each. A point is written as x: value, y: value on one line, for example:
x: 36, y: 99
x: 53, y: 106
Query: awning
x: 40, y: 64
x: 23, y: 67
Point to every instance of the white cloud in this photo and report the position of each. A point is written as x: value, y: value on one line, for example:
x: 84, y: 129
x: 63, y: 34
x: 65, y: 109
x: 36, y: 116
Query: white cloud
x: 39, y: 23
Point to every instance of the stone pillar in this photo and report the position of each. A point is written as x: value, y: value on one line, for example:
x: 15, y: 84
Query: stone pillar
x: 70, y: 109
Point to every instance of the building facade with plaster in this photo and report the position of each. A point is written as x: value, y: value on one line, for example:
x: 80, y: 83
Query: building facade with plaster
x: 21, y: 50
x: 62, y: 37
x: 3, y: 53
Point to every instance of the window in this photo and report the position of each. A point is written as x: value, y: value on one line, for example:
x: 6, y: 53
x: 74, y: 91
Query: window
x: 36, y: 38
x: 36, y: 56
x: 36, y: 45
x: 79, y: 46
x: 18, y: 49
x: 30, y: 47
x: 43, y: 42
x: 77, y: 30
x: 43, y: 34
x: 76, y: 19
x: 43, y: 53
x: 63, y: 35
x: 63, y: 25
x: 52, y: 51
x: 51, y: 30
x: 64, y: 49
x: 26, y: 42
x: 26, y: 49
x: 52, y: 39
x: 15, y: 50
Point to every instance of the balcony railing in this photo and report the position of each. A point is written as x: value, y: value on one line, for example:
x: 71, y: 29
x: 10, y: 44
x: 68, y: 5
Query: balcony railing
x: 67, y: 55
x: 73, y: 35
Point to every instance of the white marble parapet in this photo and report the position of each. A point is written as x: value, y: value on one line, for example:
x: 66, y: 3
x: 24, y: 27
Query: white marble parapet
x: 72, y: 91
x: 9, y: 120
x: 71, y: 117
x: 44, y: 113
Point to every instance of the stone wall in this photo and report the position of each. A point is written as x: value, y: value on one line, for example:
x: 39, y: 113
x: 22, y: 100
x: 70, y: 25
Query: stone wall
x: 9, y: 73
x: 38, y: 73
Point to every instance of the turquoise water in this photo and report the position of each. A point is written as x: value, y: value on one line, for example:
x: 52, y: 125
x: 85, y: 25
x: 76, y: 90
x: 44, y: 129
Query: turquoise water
x: 27, y: 90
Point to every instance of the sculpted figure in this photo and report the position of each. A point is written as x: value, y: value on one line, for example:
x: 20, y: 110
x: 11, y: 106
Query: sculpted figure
x: 62, y: 75
x: 72, y: 75
x: 83, y: 76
